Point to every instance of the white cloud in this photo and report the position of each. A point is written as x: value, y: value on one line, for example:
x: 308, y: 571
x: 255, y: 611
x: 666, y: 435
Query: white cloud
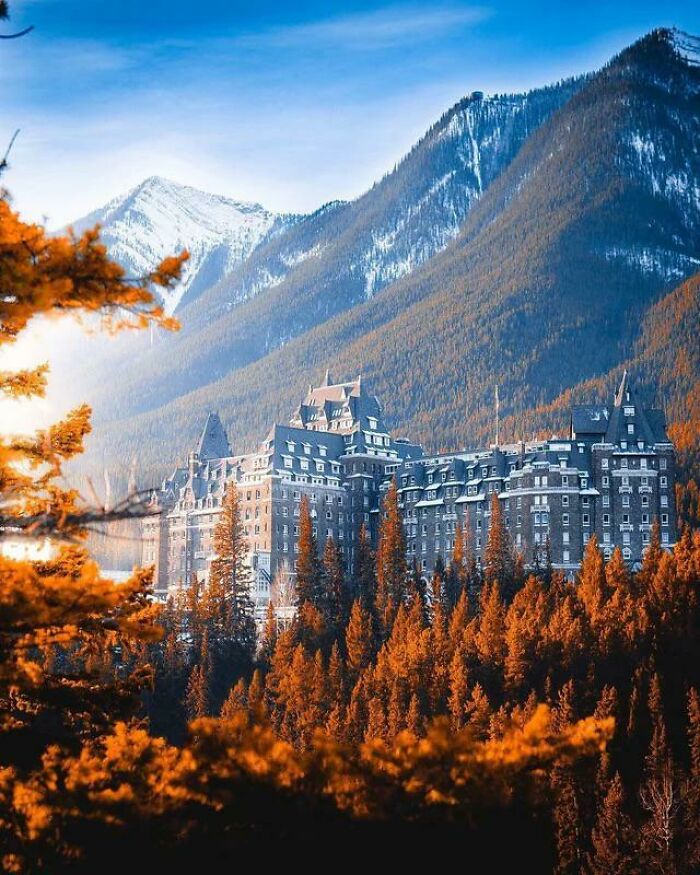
x: 381, y: 29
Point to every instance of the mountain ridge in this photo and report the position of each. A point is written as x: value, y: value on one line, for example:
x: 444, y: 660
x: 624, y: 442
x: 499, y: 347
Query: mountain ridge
x: 568, y: 248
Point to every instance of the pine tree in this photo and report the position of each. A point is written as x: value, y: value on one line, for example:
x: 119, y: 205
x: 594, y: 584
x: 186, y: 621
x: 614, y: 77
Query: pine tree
x: 490, y: 640
x: 256, y: 694
x: 336, y: 676
x: 269, y: 635
x: 612, y: 837
x: 498, y: 556
x: 691, y: 818
x: 592, y: 588
x: 236, y: 701
x: 365, y: 577
x: 391, y: 561
x: 567, y: 822
x: 336, y: 601
x: 457, y: 578
x: 414, y: 717
x: 309, y: 583
x: 359, y: 639
x: 198, y: 695
x: 459, y: 690
x: 458, y: 621
x: 478, y: 711
x: 230, y: 578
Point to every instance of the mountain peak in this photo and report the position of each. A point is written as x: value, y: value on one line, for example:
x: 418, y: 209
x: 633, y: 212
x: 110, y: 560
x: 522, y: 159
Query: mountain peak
x: 159, y: 217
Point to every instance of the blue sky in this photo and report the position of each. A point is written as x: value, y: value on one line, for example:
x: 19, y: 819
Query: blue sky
x: 290, y: 104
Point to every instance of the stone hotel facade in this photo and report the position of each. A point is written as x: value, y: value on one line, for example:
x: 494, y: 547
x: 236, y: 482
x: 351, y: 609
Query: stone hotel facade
x: 613, y: 476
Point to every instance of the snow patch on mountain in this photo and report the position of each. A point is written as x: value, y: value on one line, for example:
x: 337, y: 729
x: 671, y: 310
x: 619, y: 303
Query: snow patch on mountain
x: 669, y: 265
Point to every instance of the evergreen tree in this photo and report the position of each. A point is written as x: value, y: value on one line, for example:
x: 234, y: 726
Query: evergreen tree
x: 236, y: 702
x: 359, y: 639
x: 498, y: 556
x: 612, y: 837
x: 592, y: 588
x: 309, y: 580
x: 459, y: 692
x: 336, y: 601
x: 365, y: 576
x: 391, y: 561
x: 230, y: 580
x: 490, y: 640
x: 567, y: 822
x: 198, y: 694
x: 269, y: 635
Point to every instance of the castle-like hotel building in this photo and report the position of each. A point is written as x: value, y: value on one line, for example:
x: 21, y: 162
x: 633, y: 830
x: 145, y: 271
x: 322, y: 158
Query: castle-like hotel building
x: 612, y: 476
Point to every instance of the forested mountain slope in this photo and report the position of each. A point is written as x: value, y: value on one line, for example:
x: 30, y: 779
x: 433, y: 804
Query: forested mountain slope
x: 338, y: 257
x: 546, y: 285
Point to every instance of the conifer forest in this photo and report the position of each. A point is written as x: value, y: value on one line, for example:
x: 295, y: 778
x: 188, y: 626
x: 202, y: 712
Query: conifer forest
x: 496, y: 713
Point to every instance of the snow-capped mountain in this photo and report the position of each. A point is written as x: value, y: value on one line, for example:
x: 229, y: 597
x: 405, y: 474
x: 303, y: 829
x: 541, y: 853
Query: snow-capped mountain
x: 520, y: 244
x: 159, y: 218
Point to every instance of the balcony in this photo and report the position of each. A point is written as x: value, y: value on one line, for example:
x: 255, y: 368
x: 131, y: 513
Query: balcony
x: 626, y: 527
x: 625, y: 489
x: 643, y: 489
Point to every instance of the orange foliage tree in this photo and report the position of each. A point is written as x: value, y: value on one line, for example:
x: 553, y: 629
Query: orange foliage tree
x: 61, y: 624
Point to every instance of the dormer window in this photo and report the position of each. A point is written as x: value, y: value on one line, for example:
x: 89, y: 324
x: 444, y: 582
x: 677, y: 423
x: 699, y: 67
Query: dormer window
x: 372, y: 423
x: 322, y: 450
x: 307, y: 449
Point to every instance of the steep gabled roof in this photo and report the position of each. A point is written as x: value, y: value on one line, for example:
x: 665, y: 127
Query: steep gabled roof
x: 213, y: 442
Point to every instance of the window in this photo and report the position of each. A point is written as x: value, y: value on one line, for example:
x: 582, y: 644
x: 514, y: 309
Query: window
x: 586, y: 519
x: 627, y: 553
x: 566, y: 556
x: 565, y: 538
x: 664, y: 538
x: 565, y: 500
x: 664, y: 501
x: 642, y: 463
x: 664, y: 519
x: 304, y: 464
x: 663, y: 482
x: 565, y: 519
x: 625, y: 537
x: 564, y: 479
x: 606, y: 481
x: 604, y: 463
x: 624, y: 463
x: 287, y: 462
x: 606, y: 501
x: 629, y: 411
x: 662, y: 464
x: 630, y: 428
x: 606, y: 537
x: 625, y: 501
x: 606, y: 519
x: 645, y: 501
